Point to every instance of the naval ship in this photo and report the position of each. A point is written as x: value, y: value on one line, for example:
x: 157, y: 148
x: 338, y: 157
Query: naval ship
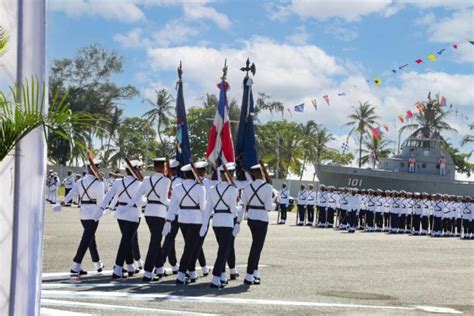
x: 393, y: 173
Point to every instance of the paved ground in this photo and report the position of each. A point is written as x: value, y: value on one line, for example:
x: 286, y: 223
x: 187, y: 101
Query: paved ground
x: 304, y: 271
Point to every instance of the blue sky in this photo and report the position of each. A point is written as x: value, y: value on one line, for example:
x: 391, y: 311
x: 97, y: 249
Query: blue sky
x: 302, y: 49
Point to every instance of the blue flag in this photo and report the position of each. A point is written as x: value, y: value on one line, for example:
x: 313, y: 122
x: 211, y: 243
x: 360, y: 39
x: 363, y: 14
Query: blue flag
x: 245, y: 151
x: 183, y: 149
x: 299, y: 107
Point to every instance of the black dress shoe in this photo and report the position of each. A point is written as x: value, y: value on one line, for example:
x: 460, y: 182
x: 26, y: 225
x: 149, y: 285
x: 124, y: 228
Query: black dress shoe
x: 115, y: 276
x: 193, y: 280
x: 234, y: 276
x: 146, y: 279
x: 174, y: 272
x: 213, y: 286
x: 82, y: 272
x: 131, y: 273
x: 102, y: 266
x: 179, y: 282
x: 249, y: 282
x: 223, y: 282
x: 256, y: 281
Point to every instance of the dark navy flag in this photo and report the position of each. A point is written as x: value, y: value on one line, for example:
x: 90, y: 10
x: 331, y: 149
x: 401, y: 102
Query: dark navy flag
x: 299, y: 107
x: 245, y: 151
x: 183, y: 149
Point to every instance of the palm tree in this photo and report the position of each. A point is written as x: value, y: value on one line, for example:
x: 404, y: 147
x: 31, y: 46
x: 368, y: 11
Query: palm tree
x: 468, y: 138
x: 264, y: 103
x: 323, y: 137
x: 308, y: 138
x: 161, y: 111
x: 374, y: 149
x: 362, y: 120
x: 430, y: 122
x: 23, y: 113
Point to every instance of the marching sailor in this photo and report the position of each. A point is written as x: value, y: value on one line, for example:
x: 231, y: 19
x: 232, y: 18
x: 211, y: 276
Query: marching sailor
x: 333, y: 200
x: 257, y: 200
x: 53, y: 188
x: 168, y: 249
x: 188, y: 202
x: 201, y: 168
x: 90, y: 191
x: 221, y: 205
x: 425, y: 213
x: 155, y: 189
x: 311, y: 202
x: 68, y: 184
x: 379, y: 208
x: 127, y: 217
x: 343, y: 209
x: 468, y: 218
x: 302, y: 201
x: 283, y: 200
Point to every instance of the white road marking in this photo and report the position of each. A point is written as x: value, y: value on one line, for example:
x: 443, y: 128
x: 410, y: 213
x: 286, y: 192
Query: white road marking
x: 96, y: 295
x: 55, y: 276
x: 49, y: 302
x: 55, y: 286
x: 57, y: 312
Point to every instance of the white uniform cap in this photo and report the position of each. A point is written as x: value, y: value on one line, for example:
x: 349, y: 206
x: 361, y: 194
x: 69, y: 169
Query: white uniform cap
x: 230, y: 166
x: 160, y: 159
x: 186, y: 167
x: 255, y: 167
x: 136, y: 163
x: 201, y: 164
x: 174, y: 163
x: 95, y: 161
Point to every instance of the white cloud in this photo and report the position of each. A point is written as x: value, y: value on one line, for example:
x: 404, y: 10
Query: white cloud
x: 174, y: 32
x: 286, y: 72
x: 341, y: 32
x: 195, y: 10
x: 132, y: 39
x: 349, y: 11
x: 123, y: 10
x: 299, y: 37
x: 457, y: 26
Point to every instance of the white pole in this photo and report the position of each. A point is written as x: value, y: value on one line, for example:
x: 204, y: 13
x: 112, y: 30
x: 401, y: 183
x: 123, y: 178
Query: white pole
x: 30, y: 168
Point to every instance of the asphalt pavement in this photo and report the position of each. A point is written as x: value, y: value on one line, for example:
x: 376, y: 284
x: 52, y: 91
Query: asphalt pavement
x: 304, y: 270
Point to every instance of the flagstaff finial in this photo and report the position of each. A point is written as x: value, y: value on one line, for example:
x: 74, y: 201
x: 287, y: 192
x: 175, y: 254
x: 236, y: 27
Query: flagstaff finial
x: 248, y: 68
x: 180, y: 70
x: 224, y: 70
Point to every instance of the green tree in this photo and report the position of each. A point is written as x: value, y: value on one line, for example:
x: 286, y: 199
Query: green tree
x: 375, y: 149
x: 335, y: 157
x: 460, y: 159
x: 319, y: 146
x: 431, y: 122
x: 161, y: 111
x: 308, y: 141
x: 265, y: 103
x: 136, y: 139
x: 467, y: 139
x: 362, y: 121
x: 87, y: 78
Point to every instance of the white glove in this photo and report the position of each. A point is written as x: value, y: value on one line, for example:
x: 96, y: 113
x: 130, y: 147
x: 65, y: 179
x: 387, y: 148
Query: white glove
x: 166, y: 229
x: 236, y: 230
x: 106, y: 211
x: 203, y: 230
x: 57, y: 208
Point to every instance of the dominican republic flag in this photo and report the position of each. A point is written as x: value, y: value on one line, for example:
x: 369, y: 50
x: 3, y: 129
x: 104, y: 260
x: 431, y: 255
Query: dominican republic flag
x: 299, y: 107
x: 220, y: 149
x: 183, y: 149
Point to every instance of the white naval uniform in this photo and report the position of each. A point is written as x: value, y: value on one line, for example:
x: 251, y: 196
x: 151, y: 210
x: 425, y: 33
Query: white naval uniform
x: 221, y: 205
x: 188, y: 202
x: 257, y: 199
x: 322, y: 208
x: 53, y: 189
x: 353, y: 207
x: 154, y: 189
x: 90, y: 191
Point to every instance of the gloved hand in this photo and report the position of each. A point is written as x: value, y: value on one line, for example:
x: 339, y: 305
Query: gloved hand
x: 166, y: 229
x: 236, y: 230
x: 203, y: 230
x: 106, y: 211
x: 57, y: 208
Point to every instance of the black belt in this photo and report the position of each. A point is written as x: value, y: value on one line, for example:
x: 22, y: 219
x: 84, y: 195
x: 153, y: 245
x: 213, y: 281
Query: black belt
x: 154, y: 202
x: 189, y: 207
x: 126, y: 203
x: 227, y: 211
x: 253, y: 207
x: 89, y: 202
